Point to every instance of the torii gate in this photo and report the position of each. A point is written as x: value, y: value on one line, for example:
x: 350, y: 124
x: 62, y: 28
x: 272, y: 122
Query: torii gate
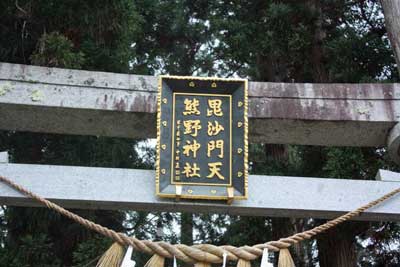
x: 67, y: 101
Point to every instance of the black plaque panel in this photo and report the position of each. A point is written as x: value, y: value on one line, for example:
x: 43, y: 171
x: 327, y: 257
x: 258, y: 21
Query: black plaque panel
x: 202, y: 138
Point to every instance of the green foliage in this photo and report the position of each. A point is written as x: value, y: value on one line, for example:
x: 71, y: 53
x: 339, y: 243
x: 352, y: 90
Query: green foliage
x: 281, y: 41
x: 174, y: 37
x: 89, y: 252
x: 263, y: 39
x: 32, y: 249
x: 247, y: 230
x: 102, y: 31
x: 364, y: 58
x: 380, y: 246
x: 95, y: 35
x: 350, y: 163
x: 55, y: 50
x: 210, y: 228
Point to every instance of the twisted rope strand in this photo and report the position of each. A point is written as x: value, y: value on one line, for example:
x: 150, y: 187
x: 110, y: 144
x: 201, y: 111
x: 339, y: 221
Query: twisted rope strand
x: 199, y: 253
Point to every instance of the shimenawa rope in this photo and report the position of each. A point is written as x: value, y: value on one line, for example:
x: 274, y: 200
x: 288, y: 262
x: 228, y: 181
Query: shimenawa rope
x: 204, y: 254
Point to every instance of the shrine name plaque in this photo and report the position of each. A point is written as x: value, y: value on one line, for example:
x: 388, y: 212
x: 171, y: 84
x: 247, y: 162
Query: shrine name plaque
x: 202, y: 129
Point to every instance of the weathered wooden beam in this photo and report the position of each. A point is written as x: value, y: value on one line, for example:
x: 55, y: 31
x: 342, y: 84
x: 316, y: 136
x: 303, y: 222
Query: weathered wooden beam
x: 103, y: 188
x: 68, y: 101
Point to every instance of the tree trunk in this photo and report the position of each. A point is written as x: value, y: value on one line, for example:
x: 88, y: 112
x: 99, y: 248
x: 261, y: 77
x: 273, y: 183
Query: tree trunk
x: 187, y: 228
x: 337, y: 247
x: 186, y: 231
x: 317, y: 54
x: 336, y: 250
x: 391, y: 9
x: 283, y: 227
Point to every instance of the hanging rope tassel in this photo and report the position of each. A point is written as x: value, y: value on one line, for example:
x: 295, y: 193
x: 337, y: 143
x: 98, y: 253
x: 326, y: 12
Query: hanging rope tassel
x: 155, y: 261
x: 112, y: 257
x: 285, y: 259
x: 243, y: 263
x: 202, y: 264
x: 264, y: 260
x: 224, y: 257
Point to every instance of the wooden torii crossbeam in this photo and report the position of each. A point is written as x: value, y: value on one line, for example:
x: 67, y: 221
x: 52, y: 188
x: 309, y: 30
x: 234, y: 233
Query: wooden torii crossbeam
x: 67, y: 101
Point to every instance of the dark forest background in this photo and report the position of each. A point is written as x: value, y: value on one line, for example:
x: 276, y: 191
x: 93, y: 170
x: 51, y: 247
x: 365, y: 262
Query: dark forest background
x: 317, y: 41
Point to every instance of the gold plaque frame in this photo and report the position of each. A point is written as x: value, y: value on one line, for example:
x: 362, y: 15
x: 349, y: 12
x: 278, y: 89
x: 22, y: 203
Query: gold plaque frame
x: 187, y: 191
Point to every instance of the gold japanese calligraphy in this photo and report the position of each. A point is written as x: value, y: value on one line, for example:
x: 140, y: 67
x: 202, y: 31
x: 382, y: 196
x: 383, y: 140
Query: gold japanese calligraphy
x: 191, y: 170
x: 215, y: 144
x: 191, y: 147
x: 214, y: 128
x: 196, y: 142
x: 214, y: 107
x: 191, y: 127
x: 215, y: 169
x: 205, y: 140
x: 191, y: 107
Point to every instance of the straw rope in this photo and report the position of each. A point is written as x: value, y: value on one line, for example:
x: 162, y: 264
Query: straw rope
x: 206, y: 253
